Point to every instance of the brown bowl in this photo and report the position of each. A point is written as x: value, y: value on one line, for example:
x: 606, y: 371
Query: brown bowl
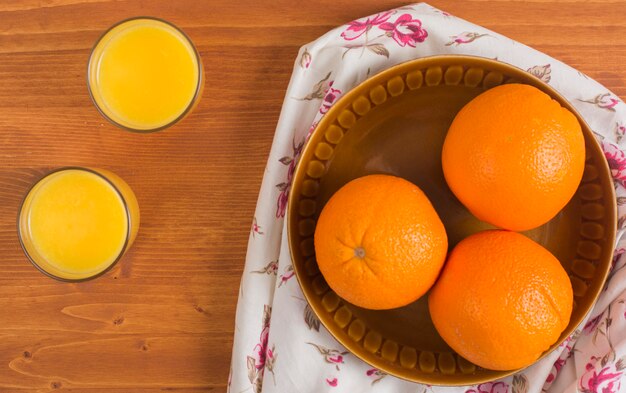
x: 395, y: 123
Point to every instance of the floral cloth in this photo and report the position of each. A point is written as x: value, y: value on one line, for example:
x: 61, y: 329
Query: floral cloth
x: 279, y: 344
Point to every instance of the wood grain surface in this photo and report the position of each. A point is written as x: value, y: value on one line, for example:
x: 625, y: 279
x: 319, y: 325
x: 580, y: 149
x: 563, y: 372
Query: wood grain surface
x: 163, y: 319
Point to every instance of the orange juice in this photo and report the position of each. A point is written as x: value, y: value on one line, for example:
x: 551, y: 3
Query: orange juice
x: 144, y: 74
x: 75, y: 223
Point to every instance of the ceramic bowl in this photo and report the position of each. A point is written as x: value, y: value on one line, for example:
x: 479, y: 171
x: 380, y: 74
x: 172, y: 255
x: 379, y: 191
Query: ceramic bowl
x: 395, y: 123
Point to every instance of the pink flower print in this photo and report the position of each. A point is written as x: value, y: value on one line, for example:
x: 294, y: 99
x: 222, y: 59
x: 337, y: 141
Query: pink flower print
x: 332, y: 356
x: 270, y: 359
x: 617, y: 161
x: 332, y: 382
x: 376, y: 374
x: 604, y: 101
x: 311, y: 129
x: 464, y: 38
x: 286, y: 275
x: 616, y: 256
x: 359, y: 27
x: 490, y: 387
x: 256, y: 228
x: 323, y: 90
x: 591, y: 325
x: 542, y: 72
x: 256, y: 363
x: 405, y: 30
x: 558, y: 365
x: 281, y: 202
x: 285, y: 187
x: 260, y: 350
x: 336, y: 359
x: 607, y: 102
x: 620, y: 130
x: 305, y: 59
x: 331, y: 96
x: 569, y: 339
x: 607, y: 380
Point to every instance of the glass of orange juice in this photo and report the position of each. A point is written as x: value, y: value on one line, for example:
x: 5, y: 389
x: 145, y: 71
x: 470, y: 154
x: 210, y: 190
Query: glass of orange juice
x: 144, y: 74
x: 76, y: 223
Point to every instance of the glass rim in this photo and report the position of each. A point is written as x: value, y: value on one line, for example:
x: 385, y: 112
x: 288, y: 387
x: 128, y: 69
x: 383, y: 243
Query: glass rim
x: 126, y: 239
x: 193, y: 100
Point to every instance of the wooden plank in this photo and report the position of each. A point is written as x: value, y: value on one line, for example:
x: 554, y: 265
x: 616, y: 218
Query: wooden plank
x: 163, y: 319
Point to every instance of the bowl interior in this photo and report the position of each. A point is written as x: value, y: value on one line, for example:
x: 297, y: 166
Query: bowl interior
x: 395, y: 123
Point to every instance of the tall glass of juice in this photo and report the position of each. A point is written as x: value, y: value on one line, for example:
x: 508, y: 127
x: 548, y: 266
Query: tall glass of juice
x: 76, y: 223
x: 144, y: 74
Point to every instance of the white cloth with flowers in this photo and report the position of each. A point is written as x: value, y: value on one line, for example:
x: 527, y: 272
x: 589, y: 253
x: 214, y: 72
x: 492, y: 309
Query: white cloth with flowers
x: 279, y: 344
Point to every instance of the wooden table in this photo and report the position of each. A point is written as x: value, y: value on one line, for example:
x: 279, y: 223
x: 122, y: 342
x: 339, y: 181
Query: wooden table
x: 163, y: 318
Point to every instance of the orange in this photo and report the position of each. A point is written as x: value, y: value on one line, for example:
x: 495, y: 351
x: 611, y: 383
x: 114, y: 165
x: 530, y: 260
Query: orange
x: 501, y: 301
x: 514, y: 157
x: 379, y: 242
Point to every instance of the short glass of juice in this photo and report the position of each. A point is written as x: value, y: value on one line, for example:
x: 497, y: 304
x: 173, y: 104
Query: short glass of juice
x: 144, y: 74
x: 76, y: 223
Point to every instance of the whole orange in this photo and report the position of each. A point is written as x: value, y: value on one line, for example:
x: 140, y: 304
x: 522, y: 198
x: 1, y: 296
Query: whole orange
x: 379, y: 242
x: 501, y: 301
x: 514, y: 156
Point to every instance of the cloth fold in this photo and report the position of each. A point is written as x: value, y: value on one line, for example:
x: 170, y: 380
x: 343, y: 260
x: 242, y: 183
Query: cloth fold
x: 279, y: 344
